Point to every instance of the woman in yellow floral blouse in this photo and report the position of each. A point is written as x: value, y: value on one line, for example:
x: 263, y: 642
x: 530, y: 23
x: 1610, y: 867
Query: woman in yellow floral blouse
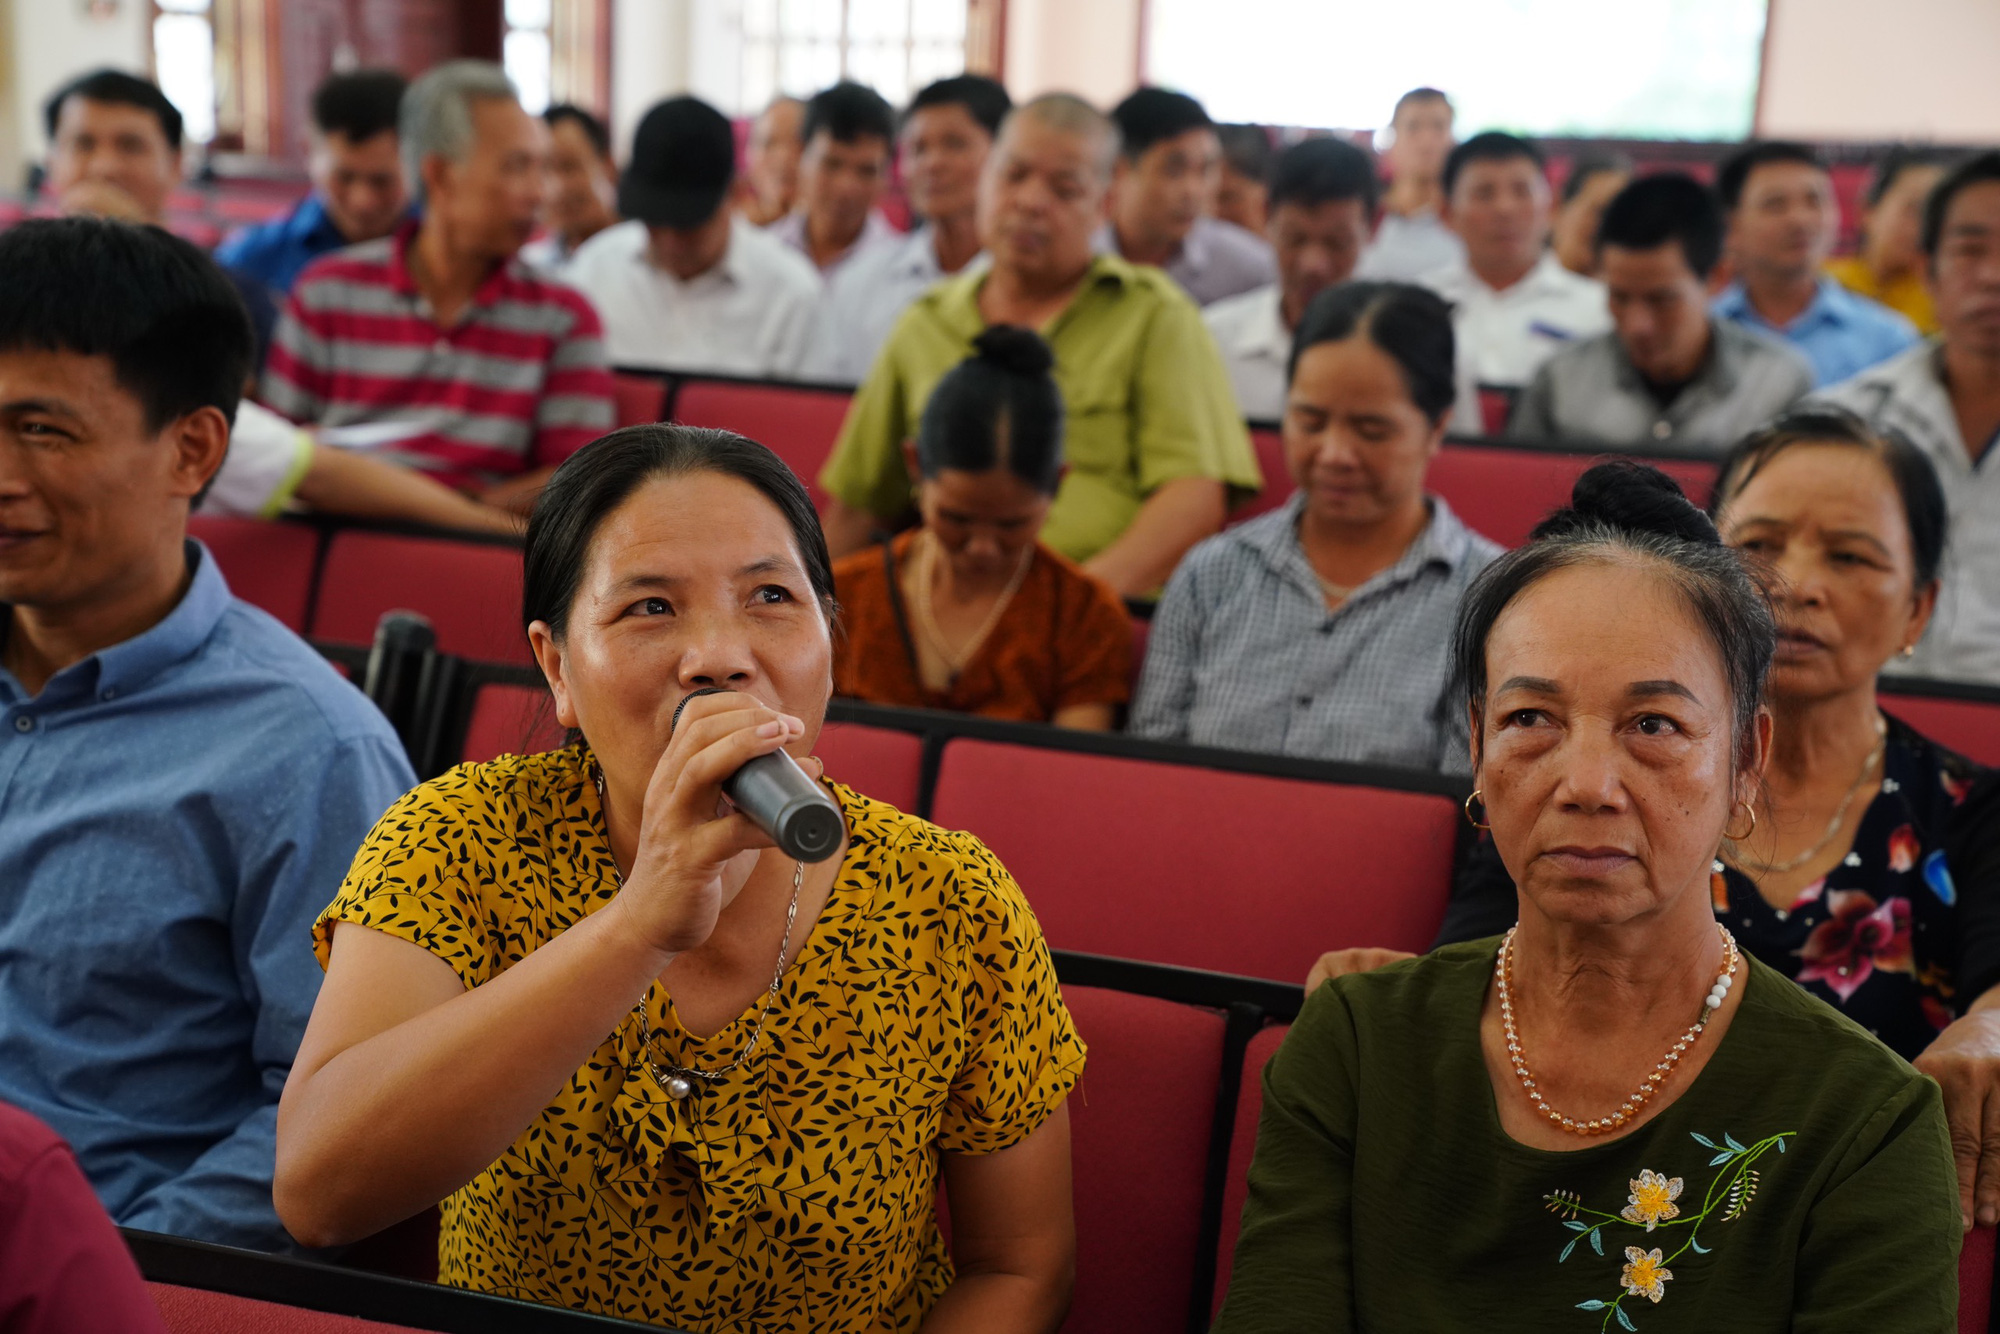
x: 653, y: 1067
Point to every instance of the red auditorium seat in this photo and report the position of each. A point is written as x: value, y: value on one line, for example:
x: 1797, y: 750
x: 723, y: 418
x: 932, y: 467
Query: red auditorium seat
x: 1504, y: 492
x: 1242, y: 1144
x: 641, y: 398
x: 1175, y: 863
x: 195, y: 1311
x: 1969, y: 726
x: 268, y: 565
x: 798, y: 424
x: 1278, y: 485
x: 877, y: 762
x: 1139, y: 1125
x: 1975, y: 1282
x: 509, y: 720
x: 471, y: 591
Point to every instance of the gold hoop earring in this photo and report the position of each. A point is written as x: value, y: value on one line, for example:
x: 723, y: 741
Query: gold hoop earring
x: 1738, y: 838
x: 1476, y: 796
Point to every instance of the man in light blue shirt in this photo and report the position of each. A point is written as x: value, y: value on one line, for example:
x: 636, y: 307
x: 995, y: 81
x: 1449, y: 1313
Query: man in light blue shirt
x: 1783, y: 219
x: 183, y: 782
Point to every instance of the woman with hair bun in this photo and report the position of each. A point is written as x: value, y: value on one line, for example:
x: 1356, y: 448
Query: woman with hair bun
x: 1609, y: 1117
x: 969, y: 611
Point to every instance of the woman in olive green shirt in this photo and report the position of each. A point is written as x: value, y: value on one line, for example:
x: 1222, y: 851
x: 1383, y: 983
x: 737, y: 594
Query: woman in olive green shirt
x: 1608, y: 1119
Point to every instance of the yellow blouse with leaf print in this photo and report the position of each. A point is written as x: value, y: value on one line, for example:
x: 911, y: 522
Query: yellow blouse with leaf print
x: 798, y: 1193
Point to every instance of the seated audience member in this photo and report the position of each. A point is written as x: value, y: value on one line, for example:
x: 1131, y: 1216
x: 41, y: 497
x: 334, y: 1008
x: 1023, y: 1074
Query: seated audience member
x: 968, y: 611
x: 1592, y: 181
x: 63, y: 1268
x: 1617, y: 1070
x: 1889, y: 267
x: 484, y: 374
x: 946, y: 135
x: 844, y: 167
x: 1154, y: 442
x: 1513, y: 303
x: 1783, y: 219
x: 1241, y: 186
x: 1322, y: 208
x: 357, y: 176
x: 1320, y: 629
x: 184, y: 779
x: 1946, y: 398
x: 1168, y: 161
x: 583, y: 186
x: 580, y: 1037
x: 769, y: 187
x: 685, y: 284
x: 1413, y: 239
x: 1669, y: 371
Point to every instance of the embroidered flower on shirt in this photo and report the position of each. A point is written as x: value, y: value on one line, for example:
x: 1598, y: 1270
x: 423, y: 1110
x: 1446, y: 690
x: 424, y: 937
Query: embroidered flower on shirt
x: 1861, y: 937
x: 1646, y: 1273
x: 1652, y: 1199
x: 1810, y: 894
x: 1955, y: 787
x: 1903, y: 849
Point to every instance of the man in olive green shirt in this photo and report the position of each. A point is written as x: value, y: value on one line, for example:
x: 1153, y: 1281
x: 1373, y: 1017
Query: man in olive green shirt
x: 1154, y: 442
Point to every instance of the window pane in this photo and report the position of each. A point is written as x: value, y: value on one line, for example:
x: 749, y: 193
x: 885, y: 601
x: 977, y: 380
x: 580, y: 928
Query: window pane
x: 760, y: 18
x: 184, y: 54
x: 528, y: 13
x: 804, y: 20
x: 882, y: 66
x: 877, y: 20
x: 185, y: 6
x: 526, y: 58
x: 806, y: 67
x: 938, y: 20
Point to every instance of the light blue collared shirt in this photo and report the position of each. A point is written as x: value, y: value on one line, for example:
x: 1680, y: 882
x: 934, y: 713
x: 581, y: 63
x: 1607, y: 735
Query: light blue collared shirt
x: 174, y: 812
x: 1840, y: 333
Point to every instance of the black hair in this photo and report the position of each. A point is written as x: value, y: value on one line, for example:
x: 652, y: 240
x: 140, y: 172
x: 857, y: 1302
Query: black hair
x: 1588, y: 165
x: 1319, y: 171
x: 1411, y: 324
x: 1626, y: 510
x: 1975, y: 170
x: 984, y: 99
x: 166, y: 316
x: 593, y: 129
x: 1909, y: 468
x: 1418, y: 95
x: 1489, y: 146
x: 1152, y: 115
x: 1668, y: 206
x: 360, y: 104
x: 849, y: 111
x: 598, y: 478
x: 1735, y: 171
x: 1893, y: 164
x: 1246, y: 150
x: 122, y: 89
x: 998, y: 408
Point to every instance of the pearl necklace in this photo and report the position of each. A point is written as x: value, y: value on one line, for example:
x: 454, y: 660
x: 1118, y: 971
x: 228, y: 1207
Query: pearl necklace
x: 1516, y: 1053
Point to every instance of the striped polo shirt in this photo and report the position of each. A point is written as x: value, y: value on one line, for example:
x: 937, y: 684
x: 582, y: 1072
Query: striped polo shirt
x: 519, y: 383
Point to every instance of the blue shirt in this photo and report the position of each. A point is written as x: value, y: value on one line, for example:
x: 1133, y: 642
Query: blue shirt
x: 273, y: 252
x: 174, y: 812
x: 1840, y: 333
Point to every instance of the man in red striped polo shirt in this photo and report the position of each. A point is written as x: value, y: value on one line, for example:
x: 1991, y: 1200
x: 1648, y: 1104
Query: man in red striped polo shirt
x: 436, y: 347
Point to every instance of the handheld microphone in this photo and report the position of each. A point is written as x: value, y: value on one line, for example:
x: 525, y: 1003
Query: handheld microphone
x: 780, y: 799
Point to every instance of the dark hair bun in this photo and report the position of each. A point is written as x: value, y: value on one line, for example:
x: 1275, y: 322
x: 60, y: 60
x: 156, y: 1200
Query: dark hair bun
x: 1632, y: 498
x: 1016, y: 350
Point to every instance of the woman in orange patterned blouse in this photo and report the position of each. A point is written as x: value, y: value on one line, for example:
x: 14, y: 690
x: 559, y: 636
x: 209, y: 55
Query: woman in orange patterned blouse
x: 550, y: 997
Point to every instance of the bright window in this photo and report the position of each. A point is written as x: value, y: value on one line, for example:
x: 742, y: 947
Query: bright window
x: 801, y: 46
x: 1641, y: 69
x: 527, y: 53
x: 184, y: 57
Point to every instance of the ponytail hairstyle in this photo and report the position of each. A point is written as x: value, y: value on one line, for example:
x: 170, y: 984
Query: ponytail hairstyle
x: 999, y: 408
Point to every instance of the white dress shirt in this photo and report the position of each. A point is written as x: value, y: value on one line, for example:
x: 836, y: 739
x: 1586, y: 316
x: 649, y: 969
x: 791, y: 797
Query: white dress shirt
x: 1505, y: 336
x: 749, y: 314
x: 876, y: 233
x: 864, y: 300
x: 1250, y: 330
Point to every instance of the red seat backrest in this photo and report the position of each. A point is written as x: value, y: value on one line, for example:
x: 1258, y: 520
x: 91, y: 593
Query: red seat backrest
x: 1242, y: 1144
x: 1505, y: 492
x: 1969, y: 726
x: 1140, y: 1122
x: 471, y: 592
x: 641, y: 398
x: 1172, y: 863
x: 509, y: 720
x: 1975, y: 1282
x: 877, y: 762
x: 268, y: 565
x: 799, y: 425
x: 1278, y: 485
x: 197, y: 1311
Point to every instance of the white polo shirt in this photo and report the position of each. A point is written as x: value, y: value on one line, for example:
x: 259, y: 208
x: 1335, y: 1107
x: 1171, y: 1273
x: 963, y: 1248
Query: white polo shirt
x: 1250, y: 330
x: 1505, y: 336
x: 1407, y: 246
x: 1906, y: 393
x: 749, y: 314
x: 863, y: 301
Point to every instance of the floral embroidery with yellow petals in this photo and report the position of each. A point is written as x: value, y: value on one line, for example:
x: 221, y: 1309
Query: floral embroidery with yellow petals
x: 1646, y: 1273
x: 1653, y: 1197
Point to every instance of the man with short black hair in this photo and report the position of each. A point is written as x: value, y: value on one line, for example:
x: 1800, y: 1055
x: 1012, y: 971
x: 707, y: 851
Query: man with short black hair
x: 1945, y: 396
x: 1514, y: 304
x: 1242, y: 187
x: 1413, y: 239
x: 183, y: 781
x: 1323, y: 210
x: 947, y: 132
x: 1669, y: 372
x: 583, y: 186
x: 1783, y: 219
x: 114, y: 147
x: 843, y: 169
x: 1168, y: 157
x: 686, y: 284
x: 357, y: 178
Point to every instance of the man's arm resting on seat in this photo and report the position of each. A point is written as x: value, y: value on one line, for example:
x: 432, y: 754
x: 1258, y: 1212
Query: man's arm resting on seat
x: 1177, y: 515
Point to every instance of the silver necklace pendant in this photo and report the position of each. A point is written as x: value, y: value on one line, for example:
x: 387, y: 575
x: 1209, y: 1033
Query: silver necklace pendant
x: 678, y: 1087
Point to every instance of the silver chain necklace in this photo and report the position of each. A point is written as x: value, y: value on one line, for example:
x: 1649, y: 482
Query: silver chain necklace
x: 1790, y: 864
x: 677, y: 1081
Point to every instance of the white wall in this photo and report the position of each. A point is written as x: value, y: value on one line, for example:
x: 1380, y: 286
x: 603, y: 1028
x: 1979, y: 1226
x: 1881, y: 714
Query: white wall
x: 650, y: 55
x: 1882, y: 69
x: 1086, y: 47
x: 48, y: 42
